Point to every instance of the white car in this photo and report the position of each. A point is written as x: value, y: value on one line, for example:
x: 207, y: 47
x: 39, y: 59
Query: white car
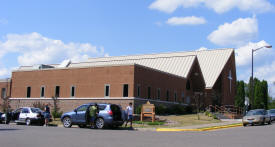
x: 25, y: 115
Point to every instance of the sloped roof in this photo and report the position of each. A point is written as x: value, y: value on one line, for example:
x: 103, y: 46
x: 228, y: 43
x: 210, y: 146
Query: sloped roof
x: 176, y: 65
x: 211, y: 62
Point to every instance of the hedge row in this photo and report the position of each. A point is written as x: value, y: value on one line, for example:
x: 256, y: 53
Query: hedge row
x: 163, y: 110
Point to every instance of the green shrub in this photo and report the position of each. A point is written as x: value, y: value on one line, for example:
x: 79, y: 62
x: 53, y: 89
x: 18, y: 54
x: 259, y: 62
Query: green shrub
x: 56, y: 114
x: 160, y: 110
x: 138, y: 109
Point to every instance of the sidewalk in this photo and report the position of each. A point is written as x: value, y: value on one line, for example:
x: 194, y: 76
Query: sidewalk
x: 204, y: 127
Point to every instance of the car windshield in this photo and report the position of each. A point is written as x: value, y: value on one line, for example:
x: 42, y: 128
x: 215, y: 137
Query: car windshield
x: 36, y: 110
x: 253, y: 112
x: 272, y: 111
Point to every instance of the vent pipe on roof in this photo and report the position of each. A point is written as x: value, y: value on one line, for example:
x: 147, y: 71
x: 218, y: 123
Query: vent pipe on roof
x: 64, y: 63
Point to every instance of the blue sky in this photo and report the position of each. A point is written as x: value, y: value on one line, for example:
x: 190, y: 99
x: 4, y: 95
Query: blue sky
x: 34, y: 32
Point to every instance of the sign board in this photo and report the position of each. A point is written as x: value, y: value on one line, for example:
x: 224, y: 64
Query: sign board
x: 148, y: 109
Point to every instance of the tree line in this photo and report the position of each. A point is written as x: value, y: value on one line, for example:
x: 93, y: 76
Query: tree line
x: 260, y: 100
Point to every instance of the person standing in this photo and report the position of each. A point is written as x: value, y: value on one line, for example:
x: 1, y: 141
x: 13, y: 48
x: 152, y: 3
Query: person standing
x: 93, y: 114
x: 47, y: 114
x: 129, y: 112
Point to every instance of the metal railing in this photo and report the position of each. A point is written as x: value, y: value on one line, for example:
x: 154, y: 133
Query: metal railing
x: 228, y: 110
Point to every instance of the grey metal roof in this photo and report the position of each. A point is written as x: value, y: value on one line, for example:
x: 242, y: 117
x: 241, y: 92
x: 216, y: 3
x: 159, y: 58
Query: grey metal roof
x: 211, y: 62
x: 176, y: 65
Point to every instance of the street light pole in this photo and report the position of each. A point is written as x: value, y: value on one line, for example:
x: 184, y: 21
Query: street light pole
x: 254, y: 50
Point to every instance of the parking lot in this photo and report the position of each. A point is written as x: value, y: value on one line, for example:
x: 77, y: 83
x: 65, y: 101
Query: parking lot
x: 32, y: 136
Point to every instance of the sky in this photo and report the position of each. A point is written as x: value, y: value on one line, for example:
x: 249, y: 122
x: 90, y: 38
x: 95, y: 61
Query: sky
x: 35, y: 32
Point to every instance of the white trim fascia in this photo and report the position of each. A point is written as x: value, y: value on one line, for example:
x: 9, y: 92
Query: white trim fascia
x: 75, y: 98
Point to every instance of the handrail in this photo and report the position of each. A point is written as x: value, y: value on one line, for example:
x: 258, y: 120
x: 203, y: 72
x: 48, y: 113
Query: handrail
x: 226, y: 109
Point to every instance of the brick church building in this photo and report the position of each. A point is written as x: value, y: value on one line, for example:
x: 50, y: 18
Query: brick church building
x: 164, y: 78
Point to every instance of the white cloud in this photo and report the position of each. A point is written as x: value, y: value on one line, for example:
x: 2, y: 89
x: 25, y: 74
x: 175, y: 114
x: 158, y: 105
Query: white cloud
x: 4, y: 72
x: 243, y: 54
x: 219, y: 6
x: 190, y: 20
x: 34, y: 48
x: 236, y: 33
x: 202, y: 49
x: 170, y: 6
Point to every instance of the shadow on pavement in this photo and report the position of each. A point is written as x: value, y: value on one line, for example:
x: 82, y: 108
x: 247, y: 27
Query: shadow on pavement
x: 9, y: 129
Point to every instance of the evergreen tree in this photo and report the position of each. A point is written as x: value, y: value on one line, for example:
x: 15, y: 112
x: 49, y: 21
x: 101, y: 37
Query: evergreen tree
x: 258, y: 95
x: 265, y: 93
x: 240, y: 95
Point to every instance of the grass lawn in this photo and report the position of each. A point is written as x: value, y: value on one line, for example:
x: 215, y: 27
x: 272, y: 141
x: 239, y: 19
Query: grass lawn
x: 187, y: 120
x: 177, y: 121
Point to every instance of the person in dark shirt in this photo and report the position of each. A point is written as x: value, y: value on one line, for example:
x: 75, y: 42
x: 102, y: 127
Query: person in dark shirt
x: 47, y: 114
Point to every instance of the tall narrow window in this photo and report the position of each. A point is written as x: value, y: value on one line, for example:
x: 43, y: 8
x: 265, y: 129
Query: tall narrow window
x: 138, y: 90
x: 107, y: 90
x: 149, y: 92
x: 167, y: 95
x: 42, y: 91
x: 175, y: 96
x: 72, y: 91
x: 28, y: 92
x: 158, y: 93
x: 125, y: 90
x: 188, y: 86
x: 182, y: 97
x: 57, y: 91
x: 3, y: 93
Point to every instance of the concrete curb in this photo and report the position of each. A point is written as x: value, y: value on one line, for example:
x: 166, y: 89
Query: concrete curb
x: 199, y: 129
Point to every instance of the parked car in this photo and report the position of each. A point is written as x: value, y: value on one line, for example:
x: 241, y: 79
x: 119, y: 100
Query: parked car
x: 25, y: 115
x: 110, y: 115
x: 257, y: 116
x: 1, y: 121
x: 271, y: 112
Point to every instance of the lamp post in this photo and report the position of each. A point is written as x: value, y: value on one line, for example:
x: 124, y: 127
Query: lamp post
x: 254, y: 50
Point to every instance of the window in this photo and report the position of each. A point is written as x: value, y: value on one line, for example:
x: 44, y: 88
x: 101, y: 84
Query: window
x: 72, y: 91
x: 25, y: 110
x: 3, y: 93
x: 57, y: 91
x: 158, y: 93
x: 188, y: 100
x: 188, y: 85
x: 42, y: 91
x: 175, y: 96
x: 28, y: 92
x: 125, y: 90
x: 167, y: 95
x: 138, y: 90
x: 182, y: 96
x: 107, y: 90
x: 82, y: 108
x: 149, y: 92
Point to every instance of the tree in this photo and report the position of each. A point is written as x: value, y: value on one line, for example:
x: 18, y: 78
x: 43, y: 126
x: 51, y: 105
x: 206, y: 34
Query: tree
x: 240, y: 95
x: 6, y: 104
x: 265, y: 93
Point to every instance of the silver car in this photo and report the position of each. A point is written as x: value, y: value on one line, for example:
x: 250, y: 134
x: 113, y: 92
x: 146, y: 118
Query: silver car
x: 257, y: 116
x: 271, y: 112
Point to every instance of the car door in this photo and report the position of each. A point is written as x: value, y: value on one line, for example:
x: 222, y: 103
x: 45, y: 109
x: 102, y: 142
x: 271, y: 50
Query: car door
x: 80, y: 114
x: 15, y: 114
x: 24, y: 114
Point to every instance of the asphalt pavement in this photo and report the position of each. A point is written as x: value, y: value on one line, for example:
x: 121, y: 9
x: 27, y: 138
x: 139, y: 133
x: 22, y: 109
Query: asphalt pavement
x: 37, y: 136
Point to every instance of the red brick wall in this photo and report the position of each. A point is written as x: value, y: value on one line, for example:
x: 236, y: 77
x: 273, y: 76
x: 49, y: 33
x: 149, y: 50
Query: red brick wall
x: 146, y: 77
x: 228, y: 97
x: 88, y: 82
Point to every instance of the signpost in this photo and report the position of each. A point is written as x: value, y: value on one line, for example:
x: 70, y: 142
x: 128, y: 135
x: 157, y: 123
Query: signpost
x: 148, y: 110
